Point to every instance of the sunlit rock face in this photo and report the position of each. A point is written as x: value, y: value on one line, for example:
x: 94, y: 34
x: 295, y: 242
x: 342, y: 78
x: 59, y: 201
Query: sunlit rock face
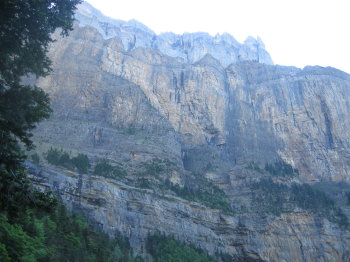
x: 189, y: 47
x: 121, y: 92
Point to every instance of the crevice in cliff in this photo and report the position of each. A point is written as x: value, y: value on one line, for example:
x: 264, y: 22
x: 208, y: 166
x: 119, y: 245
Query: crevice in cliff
x: 328, y: 124
x: 300, y: 246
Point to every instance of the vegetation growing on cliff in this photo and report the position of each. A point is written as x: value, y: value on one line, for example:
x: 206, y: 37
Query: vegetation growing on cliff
x: 105, y: 169
x: 35, y: 158
x: 339, y: 191
x: 205, y: 192
x: 277, y: 198
x: 155, y: 167
x: 168, y: 249
x: 254, y: 166
x: 278, y: 168
x: 200, y: 189
x: 81, y: 162
x: 281, y: 168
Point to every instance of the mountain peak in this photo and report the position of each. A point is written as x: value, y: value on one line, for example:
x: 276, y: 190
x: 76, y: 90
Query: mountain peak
x: 189, y: 47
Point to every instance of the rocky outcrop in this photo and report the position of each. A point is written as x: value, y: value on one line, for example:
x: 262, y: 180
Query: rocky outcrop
x: 189, y: 47
x: 206, y: 104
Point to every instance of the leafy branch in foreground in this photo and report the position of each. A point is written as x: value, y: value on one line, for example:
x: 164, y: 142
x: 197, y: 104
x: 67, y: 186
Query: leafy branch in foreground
x: 25, y: 29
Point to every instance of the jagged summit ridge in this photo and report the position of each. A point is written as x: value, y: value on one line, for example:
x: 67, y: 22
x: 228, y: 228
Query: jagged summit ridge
x: 189, y: 47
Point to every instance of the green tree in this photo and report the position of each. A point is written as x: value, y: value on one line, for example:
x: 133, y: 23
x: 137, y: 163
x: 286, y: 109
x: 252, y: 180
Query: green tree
x: 104, y: 168
x: 65, y: 161
x: 32, y: 226
x: 53, y: 156
x: 168, y: 249
x: 82, y: 163
x: 25, y: 34
x: 35, y: 158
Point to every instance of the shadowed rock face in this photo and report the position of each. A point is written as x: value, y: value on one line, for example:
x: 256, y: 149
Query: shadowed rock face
x: 121, y: 92
x: 299, y: 114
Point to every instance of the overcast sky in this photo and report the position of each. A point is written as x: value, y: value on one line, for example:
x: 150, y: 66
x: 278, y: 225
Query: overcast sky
x: 295, y: 32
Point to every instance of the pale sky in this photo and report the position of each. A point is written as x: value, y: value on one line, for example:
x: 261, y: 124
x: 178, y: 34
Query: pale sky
x: 295, y: 32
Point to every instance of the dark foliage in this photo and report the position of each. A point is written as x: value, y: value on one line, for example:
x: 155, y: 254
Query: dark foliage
x: 155, y: 167
x: 105, y: 169
x: 81, y: 162
x: 57, y: 235
x: 204, y: 192
x: 143, y: 183
x: 25, y: 28
x: 32, y: 226
x: 339, y: 191
x: 269, y: 196
x: 61, y: 158
x: 280, y: 168
x: 53, y: 156
x: 277, y: 198
x: 20, y: 108
x: 25, y: 34
x: 168, y: 249
x: 254, y: 166
x: 17, y: 194
x: 35, y: 158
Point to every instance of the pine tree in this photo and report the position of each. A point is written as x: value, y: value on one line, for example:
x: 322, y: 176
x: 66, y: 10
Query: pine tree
x: 25, y: 34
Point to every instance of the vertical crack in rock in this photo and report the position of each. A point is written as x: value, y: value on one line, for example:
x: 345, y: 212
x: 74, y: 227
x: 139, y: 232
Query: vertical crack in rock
x: 328, y: 124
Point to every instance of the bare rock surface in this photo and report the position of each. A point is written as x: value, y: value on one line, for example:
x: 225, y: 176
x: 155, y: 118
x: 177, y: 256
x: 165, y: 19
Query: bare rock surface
x: 189, y: 47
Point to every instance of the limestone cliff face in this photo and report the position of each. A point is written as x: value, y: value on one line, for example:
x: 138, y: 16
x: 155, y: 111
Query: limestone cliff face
x: 254, y: 111
x: 209, y: 105
x: 135, y: 212
x: 249, y: 110
x: 300, y: 114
